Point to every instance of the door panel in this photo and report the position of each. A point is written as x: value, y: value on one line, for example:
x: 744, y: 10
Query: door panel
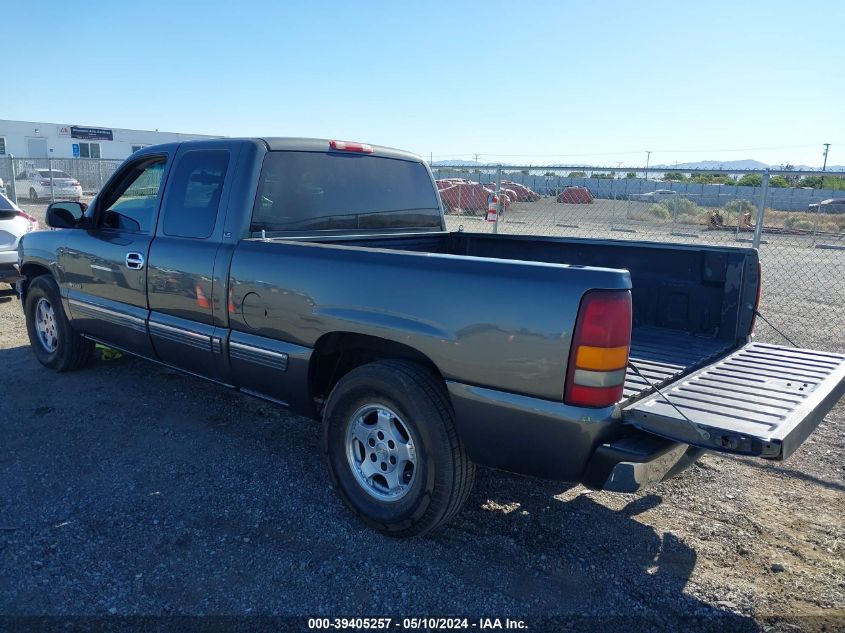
x: 107, y: 298
x: 762, y: 400
x: 182, y: 259
x: 104, y: 266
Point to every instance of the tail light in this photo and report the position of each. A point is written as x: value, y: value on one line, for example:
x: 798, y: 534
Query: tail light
x: 45, y: 183
x: 27, y: 217
x: 346, y: 146
x: 601, y: 343
x: 75, y: 183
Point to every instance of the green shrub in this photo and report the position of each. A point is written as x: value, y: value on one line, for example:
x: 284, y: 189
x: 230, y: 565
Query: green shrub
x: 659, y: 211
x: 741, y: 206
x: 801, y: 225
x: 686, y: 218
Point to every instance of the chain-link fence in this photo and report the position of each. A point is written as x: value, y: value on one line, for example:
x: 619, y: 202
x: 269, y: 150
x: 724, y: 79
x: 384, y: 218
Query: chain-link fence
x: 29, y: 179
x: 801, y: 239
x: 799, y: 232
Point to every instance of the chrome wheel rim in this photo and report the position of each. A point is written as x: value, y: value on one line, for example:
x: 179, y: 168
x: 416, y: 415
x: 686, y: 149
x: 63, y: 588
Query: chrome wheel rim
x: 45, y: 325
x: 381, y: 452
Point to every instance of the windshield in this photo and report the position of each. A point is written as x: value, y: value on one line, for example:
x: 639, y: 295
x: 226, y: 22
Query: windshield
x: 323, y: 191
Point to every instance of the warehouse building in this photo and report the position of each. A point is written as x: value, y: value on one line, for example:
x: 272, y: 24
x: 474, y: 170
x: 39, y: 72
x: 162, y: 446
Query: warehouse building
x: 29, y: 139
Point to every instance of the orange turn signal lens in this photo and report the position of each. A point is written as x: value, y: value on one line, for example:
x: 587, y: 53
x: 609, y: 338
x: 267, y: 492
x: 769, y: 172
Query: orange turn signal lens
x: 601, y: 358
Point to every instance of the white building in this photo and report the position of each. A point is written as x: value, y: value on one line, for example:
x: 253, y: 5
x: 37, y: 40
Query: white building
x: 28, y: 139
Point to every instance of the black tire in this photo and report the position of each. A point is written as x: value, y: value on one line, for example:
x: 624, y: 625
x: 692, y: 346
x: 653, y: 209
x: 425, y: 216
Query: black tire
x: 33, y: 196
x: 443, y: 474
x: 71, y: 351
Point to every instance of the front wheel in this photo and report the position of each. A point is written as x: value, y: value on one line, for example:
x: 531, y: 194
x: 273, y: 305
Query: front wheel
x: 55, y: 344
x: 33, y: 195
x: 392, y: 450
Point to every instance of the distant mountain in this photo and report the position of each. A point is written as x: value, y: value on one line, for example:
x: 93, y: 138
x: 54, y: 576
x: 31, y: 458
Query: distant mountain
x: 740, y: 165
x: 747, y: 163
x: 455, y: 163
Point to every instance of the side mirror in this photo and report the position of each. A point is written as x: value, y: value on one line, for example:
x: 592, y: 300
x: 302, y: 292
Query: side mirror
x: 65, y: 215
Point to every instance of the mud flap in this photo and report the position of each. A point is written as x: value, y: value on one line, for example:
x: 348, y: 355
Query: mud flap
x: 761, y: 400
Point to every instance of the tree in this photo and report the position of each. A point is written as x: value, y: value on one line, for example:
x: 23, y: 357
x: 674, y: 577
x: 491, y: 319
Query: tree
x: 577, y: 174
x: 631, y: 174
x: 674, y: 176
x: 750, y: 180
x: 811, y: 181
x: 602, y: 176
x: 550, y: 174
x: 778, y: 181
x: 525, y: 172
x: 792, y: 180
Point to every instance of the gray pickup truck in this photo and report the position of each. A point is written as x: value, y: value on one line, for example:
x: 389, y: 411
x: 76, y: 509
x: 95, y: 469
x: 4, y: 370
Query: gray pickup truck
x: 320, y: 275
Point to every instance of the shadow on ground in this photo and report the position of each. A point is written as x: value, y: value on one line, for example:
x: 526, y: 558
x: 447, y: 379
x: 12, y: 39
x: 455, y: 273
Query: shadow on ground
x: 140, y: 491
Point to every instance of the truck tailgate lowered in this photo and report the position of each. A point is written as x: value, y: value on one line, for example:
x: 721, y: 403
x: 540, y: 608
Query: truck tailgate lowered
x: 761, y: 400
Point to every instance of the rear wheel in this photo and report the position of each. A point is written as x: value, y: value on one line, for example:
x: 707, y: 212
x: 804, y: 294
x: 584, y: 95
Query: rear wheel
x: 54, y: 342
x: 393, y: 454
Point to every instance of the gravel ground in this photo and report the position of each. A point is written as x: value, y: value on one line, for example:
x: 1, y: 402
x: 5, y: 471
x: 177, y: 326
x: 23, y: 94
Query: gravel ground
x: 128, y: 489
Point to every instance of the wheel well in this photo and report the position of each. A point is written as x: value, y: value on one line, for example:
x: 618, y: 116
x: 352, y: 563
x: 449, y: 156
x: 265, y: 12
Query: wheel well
x: 338, y: 353
x: 29, y: 272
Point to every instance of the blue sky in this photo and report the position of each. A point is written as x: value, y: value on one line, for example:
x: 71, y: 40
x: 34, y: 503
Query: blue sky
x: 538, y: 82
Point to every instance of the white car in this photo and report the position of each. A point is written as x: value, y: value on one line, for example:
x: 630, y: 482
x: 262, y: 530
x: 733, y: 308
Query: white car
x: 14, y: 224
x: 34, y: 183
x: 657, y: 195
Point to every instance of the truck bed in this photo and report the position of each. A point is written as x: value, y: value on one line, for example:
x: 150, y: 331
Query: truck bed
x: 688, y: 309
x: 662, y: 355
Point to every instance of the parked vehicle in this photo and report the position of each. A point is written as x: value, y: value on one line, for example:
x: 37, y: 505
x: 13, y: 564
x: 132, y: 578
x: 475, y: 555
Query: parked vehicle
x: 467, y: 196
x: 14, y: 224
x: 524, y: 193
x: 508, y: 194
x: 657, y: 195
x: 320, y: 275
x: 831, y: 205
x: 575, y: 195
x: 35, y: 184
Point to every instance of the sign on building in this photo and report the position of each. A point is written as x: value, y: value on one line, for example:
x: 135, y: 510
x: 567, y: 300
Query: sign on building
x: 91, y: 133
x: 75, y: 148
x: 64, y: 130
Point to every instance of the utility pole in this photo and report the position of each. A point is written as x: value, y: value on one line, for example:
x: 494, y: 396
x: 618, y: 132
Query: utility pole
x: 826, y: 149
x: 647, y: 158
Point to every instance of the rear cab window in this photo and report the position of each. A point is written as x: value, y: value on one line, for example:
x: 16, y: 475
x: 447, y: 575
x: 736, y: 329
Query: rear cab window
x: 328, y: 191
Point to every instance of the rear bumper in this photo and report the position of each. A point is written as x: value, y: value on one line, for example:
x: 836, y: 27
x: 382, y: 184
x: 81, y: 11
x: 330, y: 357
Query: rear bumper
x: 548, y: 439
x: 636, y: 462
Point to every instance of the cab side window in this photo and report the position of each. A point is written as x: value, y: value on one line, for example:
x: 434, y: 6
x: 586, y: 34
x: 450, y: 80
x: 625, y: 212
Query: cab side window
x: 130, y: 205
x: 193, y: 193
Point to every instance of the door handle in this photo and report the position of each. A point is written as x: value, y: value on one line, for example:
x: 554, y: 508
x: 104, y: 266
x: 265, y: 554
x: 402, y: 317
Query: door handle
x: 134, y: 261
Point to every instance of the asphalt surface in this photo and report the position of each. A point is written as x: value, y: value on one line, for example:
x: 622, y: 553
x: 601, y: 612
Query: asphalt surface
x: 129, y: 490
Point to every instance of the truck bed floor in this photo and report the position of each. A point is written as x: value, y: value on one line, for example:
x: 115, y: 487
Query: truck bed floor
x: 663, y: 355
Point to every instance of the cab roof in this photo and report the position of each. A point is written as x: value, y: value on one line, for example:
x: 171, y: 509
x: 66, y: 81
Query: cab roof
x: 276, y: 143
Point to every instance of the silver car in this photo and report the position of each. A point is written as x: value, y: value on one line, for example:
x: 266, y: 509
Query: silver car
x: 14, y: 224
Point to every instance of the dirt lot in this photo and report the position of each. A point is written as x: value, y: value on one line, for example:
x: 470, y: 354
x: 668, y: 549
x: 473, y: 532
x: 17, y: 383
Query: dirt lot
x: 128, y: 489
